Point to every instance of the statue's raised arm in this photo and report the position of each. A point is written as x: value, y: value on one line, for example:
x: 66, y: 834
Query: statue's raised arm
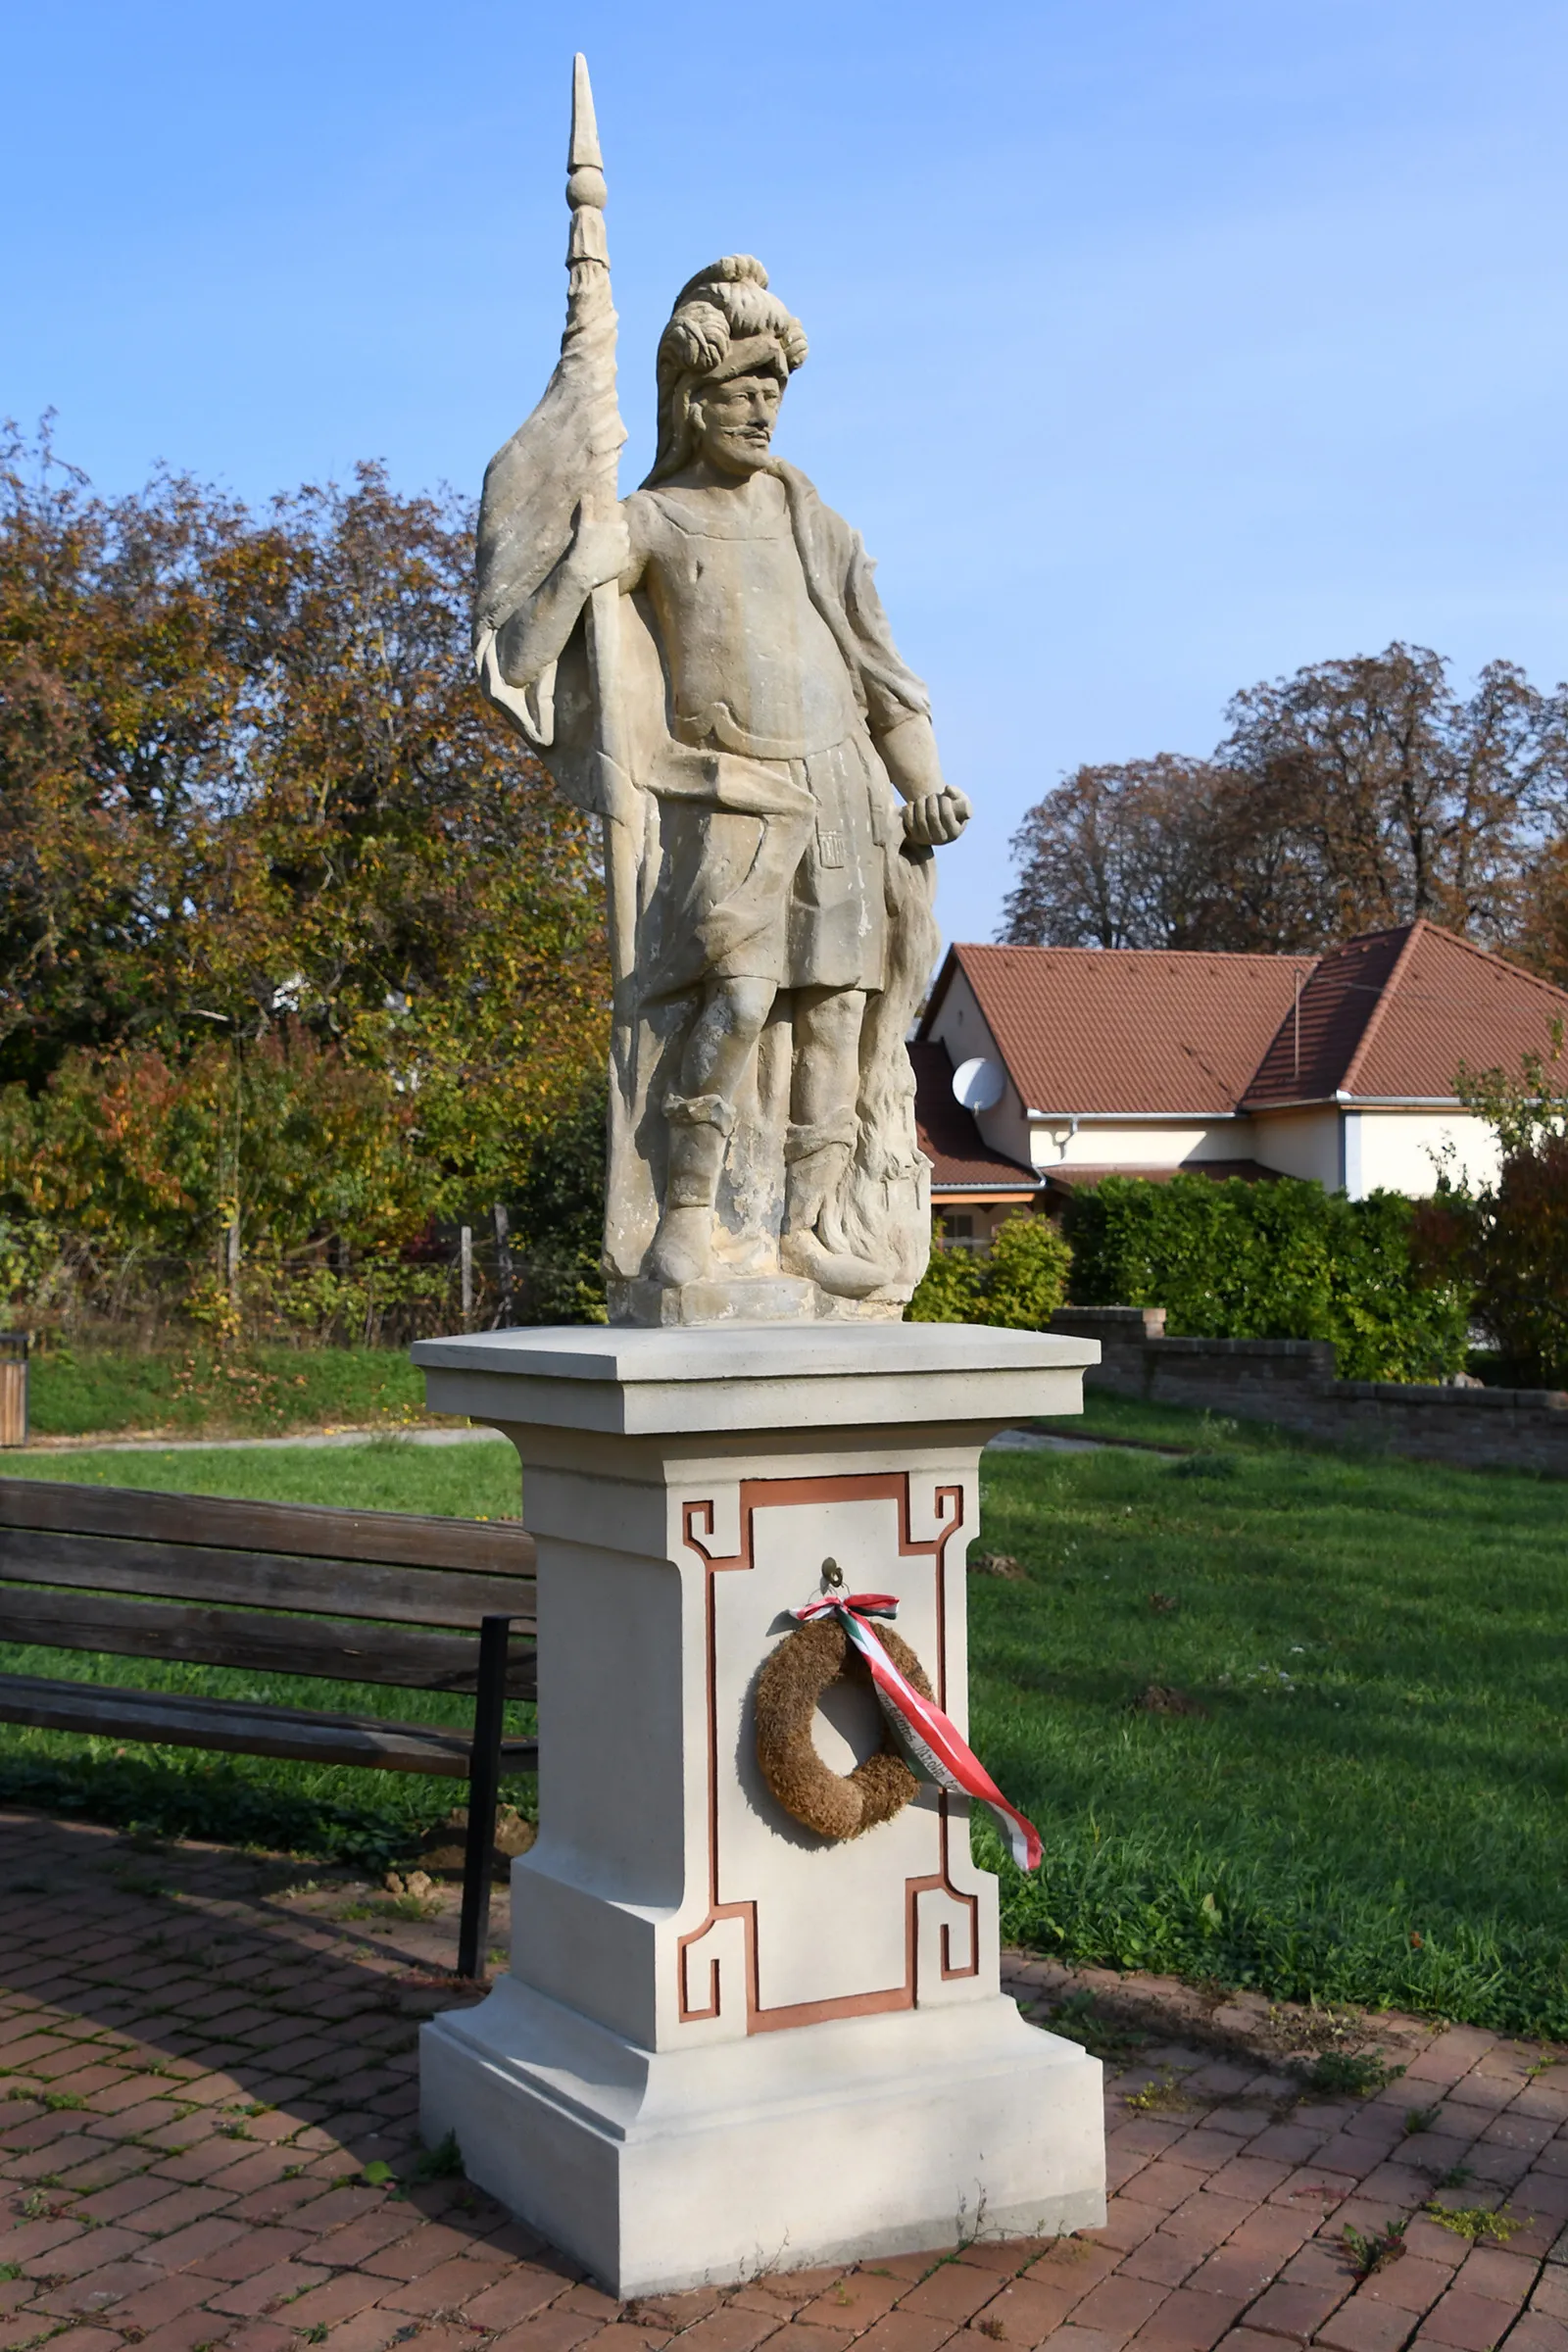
x: 707, y: 668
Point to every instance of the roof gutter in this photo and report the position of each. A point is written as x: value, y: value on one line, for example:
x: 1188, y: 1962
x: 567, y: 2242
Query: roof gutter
x: 970, y: 1184
x: 1341, y: 1100
x: 1248, y: 1111
x: 1130, y: 1118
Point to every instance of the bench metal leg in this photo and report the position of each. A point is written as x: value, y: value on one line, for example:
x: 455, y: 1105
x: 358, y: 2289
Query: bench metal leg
x: 484, y: 1779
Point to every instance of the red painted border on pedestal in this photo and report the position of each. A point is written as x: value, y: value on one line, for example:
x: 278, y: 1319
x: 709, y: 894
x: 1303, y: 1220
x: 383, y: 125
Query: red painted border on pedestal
x: 761, y: 1494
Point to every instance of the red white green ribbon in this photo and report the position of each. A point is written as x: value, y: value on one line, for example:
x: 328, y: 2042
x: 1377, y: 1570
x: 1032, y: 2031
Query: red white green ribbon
x: 933, y: 1743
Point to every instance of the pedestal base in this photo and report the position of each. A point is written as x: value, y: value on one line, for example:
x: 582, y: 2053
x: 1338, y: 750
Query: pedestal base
x: 727, y: 2044
x: 829, y: 2143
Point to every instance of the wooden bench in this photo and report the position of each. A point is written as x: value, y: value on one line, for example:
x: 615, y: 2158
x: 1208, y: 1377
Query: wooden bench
x: 361, y: 1596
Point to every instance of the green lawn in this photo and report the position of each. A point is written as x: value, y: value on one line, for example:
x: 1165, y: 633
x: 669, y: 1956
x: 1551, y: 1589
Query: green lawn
x: 1126, y: 1420
x: 1369, y: 1804
x: 376, y: 1474
x: 200, y: 1390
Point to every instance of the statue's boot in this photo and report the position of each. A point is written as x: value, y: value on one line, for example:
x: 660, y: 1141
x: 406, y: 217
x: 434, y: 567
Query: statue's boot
x: 700, y: 1127
x: 816, y: 1162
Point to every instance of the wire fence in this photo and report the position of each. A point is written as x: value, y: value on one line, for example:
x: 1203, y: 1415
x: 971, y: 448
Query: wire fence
x: 466, y: 1278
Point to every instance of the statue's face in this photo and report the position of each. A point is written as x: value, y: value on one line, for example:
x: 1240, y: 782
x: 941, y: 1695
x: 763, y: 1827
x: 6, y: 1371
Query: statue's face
x: 734, y: 422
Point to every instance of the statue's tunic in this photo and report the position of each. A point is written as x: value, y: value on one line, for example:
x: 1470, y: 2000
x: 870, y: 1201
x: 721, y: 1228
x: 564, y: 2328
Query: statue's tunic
x: 777, y: 871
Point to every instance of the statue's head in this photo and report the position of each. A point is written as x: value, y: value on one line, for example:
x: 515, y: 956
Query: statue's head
x: 725, y: 359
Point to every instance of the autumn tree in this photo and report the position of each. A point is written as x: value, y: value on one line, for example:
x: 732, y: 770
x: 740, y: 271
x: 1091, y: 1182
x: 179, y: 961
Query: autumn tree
x: 399, y: 876
x: 124, y: 632
x: 1351, y: 795
x: 1409, y: 799
x: 1160, y: 852
x: 1542, y: 939
x: 272, y: 871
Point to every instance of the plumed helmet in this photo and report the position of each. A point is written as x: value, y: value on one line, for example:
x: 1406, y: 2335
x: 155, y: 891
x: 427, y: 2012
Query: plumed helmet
x: 725, y: 322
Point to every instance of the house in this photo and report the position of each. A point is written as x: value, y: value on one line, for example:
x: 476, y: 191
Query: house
x: 1041, y: 1069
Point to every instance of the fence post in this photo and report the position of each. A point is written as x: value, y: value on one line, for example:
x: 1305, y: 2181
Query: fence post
x: 13, y: 1388
x: 503, y: 1263
x: 465, y: 1270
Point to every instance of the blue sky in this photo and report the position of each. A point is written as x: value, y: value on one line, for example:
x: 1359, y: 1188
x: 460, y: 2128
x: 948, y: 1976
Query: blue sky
x: 1155, y: 348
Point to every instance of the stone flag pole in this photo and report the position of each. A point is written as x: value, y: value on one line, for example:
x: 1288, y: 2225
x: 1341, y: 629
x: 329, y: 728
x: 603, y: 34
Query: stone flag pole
x: 752, y: 2019
x: 570, y: 446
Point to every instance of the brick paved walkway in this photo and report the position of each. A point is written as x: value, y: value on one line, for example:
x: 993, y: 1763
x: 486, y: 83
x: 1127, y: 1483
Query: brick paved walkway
x: 202, y: 2053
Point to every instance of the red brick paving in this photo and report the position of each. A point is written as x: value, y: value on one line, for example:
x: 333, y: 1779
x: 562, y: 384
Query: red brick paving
x: 235, y: 2049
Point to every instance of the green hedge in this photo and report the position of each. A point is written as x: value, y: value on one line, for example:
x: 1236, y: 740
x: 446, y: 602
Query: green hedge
x: 1282, y: 1261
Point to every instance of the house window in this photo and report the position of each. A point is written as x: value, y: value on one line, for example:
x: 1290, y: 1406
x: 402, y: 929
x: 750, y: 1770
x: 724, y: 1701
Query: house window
x: 958, y: 1229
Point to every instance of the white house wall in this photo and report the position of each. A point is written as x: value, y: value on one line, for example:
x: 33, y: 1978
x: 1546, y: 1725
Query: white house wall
x: 1364, y: 1151
x: 1147, y: 1144
x: 1300, y: 1142
x: 1402, y: 1151
x: 1370, y: 1149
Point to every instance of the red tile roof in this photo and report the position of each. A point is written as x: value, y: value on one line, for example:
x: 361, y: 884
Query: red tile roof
x: 1130, y: 1029
x: 1321, y: 1034
x: 960, y: 1159
x: 1390, y: 1016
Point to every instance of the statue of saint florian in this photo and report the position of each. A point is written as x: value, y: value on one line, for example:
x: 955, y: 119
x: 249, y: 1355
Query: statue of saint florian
x: 708, y: 666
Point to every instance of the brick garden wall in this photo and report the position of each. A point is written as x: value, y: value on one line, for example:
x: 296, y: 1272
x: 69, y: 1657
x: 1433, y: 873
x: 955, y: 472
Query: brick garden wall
x: 1293, y: 1383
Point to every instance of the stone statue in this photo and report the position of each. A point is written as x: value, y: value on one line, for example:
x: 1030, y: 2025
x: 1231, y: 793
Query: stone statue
x: 706, y: 666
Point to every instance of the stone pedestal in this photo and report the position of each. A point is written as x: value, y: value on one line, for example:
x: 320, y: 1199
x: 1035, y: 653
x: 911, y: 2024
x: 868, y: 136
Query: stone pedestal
x: 724, y: 2045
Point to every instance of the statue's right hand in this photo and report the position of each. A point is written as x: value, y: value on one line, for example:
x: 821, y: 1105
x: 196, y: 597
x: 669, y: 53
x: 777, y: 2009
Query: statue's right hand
x: 601, y: 551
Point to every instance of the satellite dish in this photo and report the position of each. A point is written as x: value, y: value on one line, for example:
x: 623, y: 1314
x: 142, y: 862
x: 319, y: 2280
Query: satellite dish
x: 978, y: 1084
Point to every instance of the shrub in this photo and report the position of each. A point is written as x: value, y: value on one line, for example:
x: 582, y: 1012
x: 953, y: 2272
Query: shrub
x: 1510, y: 1242
x: 1278, y: 1260
x: 1019, y: 1282
x: 950, y: 1290
x: 1510, y: 1246
x: 1522, y: 1296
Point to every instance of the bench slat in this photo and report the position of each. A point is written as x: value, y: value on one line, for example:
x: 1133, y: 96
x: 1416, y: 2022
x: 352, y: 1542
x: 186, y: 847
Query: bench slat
x: 262, y: 1580
x: 240, y: 1727
x: 277, y: 1645
x: 311, y: 1530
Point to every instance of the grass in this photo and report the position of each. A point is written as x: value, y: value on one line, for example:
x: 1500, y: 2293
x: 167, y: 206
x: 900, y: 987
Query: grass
x: 1303, y: 1725
x: 1127, y: 1420
x: 325, y: 1812
x: 1365, y: 2254
x: 379, y: 1474
x: 1348, y: 2074
x: 205, y: 1391
x: 1285, y: 1718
